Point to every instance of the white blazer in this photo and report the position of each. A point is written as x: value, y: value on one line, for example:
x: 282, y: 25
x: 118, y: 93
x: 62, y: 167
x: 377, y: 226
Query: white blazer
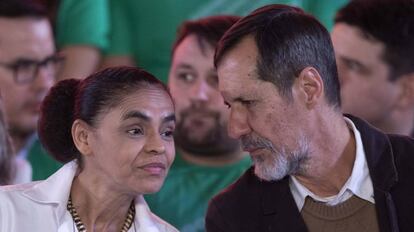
x: 41, y: 207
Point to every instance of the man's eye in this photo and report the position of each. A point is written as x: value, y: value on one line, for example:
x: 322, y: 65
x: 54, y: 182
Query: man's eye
x: 135, y: 131
x: 212, y: 80
x: 246, y: 102
x: 186, y: 77
x: 227, y: 105
x: 25, y: 66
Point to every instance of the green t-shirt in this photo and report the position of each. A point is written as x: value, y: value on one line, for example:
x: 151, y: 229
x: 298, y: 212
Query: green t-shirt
x: 83, y: 22
x: 146, y: 29
x: 43, y: 165
x: 183, y: 199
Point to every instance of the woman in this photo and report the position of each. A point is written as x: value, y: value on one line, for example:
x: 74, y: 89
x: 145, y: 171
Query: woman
x: 114, y: 129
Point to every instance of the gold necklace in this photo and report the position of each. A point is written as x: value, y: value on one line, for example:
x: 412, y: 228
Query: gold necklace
x: 81, y: 227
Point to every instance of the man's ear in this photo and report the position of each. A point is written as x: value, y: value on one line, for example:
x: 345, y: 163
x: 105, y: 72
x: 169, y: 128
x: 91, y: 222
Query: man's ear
x: 81, y: 134
x: 310, y: 84
x: 406, y: 98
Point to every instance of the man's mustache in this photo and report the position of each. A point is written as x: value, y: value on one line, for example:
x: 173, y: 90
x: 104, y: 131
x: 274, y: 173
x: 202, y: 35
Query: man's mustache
x: 250, y: 143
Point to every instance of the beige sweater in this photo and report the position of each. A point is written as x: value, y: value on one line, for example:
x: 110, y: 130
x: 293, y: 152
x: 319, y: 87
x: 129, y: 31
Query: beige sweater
x: 353, y: 215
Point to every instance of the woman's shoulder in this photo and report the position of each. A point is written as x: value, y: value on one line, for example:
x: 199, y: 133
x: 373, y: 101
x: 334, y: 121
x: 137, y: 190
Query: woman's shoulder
x: 163, y: 225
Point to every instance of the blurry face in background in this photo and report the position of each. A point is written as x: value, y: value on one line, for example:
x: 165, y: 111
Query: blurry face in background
x: 201, y: 113
x: 132, y: 144
x: 24, y: 39
x: 366, y: 90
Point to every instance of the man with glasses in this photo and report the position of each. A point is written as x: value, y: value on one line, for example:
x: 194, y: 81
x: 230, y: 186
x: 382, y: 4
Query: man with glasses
x: 28, y: 65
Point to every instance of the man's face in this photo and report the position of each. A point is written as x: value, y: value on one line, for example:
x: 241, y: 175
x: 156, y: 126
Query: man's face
x: 201, y: 113
x: 271, y: 128
x: 365, y: 87
x: 24, y: 39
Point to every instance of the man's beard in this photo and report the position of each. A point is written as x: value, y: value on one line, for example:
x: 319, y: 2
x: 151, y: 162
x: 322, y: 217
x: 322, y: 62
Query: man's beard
x: 277, y: 162
x: 22, y: 133
x: 214, y: 142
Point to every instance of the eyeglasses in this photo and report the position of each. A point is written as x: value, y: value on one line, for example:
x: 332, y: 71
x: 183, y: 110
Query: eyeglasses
x: 26, y: 70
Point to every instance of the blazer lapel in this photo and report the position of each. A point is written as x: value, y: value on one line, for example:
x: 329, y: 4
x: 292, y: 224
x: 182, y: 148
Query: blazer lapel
x: 280, y: 212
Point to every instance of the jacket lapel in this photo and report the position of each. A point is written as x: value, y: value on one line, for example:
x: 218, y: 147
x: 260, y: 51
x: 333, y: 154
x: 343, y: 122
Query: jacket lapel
x: 280, y: 212
x: 382, y: 170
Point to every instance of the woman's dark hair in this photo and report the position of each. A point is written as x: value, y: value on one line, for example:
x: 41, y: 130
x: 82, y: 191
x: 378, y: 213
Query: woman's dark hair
x: 288, y: 40
x: 86, y: 99
x: 7, y: 166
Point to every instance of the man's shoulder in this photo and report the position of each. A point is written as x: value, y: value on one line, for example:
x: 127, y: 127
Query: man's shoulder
x: 240, y: 188
x: 403, y: 152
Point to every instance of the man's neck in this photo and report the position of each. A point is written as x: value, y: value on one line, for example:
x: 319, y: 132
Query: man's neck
x: 19, y: 141
x: 214, y: 160
x: 332, y: 161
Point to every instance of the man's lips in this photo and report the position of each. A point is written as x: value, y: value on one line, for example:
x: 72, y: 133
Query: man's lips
x: 155, y: 168
x: 254, y: 151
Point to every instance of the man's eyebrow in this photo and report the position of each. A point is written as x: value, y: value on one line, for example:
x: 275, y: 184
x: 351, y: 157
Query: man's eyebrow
x: 184, y: 65
x: 31, y: 60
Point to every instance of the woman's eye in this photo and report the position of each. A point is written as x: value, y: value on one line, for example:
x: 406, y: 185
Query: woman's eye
x: 168, y: 133
x: 135, y: 131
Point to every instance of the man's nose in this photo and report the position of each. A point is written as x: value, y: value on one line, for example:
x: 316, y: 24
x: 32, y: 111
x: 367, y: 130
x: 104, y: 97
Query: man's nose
x: 238, y: 123
x: 201, y: 91
x: 45, y: 78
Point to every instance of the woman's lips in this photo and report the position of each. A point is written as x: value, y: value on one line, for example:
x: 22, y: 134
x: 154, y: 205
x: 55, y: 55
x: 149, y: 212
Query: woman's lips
x: 154, y: 168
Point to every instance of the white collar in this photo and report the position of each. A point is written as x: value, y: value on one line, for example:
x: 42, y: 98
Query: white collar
x: 359, y: 183
x: 55, y: 190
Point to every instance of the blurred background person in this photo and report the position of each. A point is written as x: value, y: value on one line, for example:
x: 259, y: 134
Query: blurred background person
x: 28, y: 65
x: 82, y: 35
x: 207, y: 160
x: 13, y: 169
x: 102, y: 33
x: 114, y: 130
x: 7, y: 167
x: 374, y: 46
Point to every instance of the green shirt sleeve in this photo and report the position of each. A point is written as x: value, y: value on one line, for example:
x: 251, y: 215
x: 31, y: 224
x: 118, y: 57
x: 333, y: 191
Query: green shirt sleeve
x: 120, y: 33
x: 84, y: 22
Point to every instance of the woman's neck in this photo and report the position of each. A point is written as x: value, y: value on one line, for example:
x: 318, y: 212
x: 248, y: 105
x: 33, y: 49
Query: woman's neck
x: 100, y: 208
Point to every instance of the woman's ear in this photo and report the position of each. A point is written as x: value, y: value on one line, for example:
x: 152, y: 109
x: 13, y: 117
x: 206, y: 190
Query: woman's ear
x: 81, y: 134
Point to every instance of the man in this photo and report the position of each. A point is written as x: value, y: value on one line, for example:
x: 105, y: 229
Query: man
x: 27, y: 71
x: 314, y: 169
x: 207, y: 159
x: 374, y: 46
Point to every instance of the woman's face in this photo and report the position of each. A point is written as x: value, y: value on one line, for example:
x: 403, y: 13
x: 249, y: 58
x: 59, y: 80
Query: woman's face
x: 132, y: 145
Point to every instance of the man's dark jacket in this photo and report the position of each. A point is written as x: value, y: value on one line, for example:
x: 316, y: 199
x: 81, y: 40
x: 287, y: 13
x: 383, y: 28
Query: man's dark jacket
x: 251, y: 205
